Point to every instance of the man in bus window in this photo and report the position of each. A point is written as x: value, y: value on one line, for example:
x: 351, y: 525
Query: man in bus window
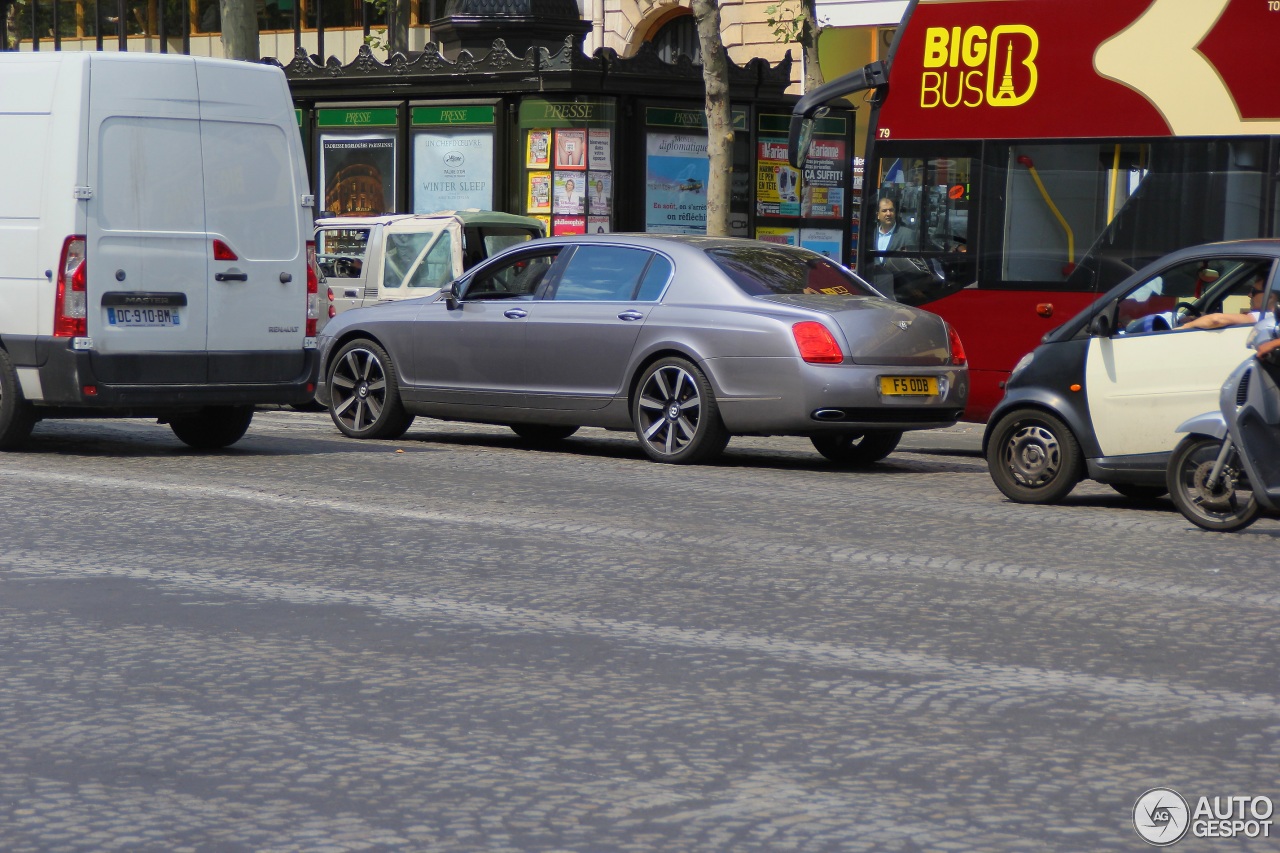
x: 891, y: 235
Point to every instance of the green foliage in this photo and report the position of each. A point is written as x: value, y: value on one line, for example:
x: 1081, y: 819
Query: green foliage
x: 797, y: 24
x: 784, y: 22
x: 377, y: 40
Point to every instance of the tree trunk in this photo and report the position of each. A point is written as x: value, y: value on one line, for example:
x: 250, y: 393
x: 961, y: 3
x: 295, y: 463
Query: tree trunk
x: 240, y: 29
x: 398, y: 30
x: 11, y: 24
x: 809, y: 30
x: 715, y: 75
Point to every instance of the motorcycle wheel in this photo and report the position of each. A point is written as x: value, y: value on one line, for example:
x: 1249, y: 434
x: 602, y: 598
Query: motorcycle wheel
x: 1227, y: 507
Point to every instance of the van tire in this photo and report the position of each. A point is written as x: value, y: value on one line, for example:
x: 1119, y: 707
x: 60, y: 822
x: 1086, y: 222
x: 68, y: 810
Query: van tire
x: 214, y: 427
x: 17, y: 416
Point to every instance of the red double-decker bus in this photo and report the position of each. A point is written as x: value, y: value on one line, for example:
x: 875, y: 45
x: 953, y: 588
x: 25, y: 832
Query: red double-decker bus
x: 1036, y: 152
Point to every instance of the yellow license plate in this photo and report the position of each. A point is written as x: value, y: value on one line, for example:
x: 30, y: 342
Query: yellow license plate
x: 909, y: 386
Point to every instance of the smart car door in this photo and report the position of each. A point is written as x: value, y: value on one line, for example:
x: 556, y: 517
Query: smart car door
x: 1149, y: 376
x: 582, y: 333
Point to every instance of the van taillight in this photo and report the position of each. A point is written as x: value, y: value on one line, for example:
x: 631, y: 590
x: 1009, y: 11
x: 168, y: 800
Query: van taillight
x: 70, y: 302
x: 817, y: 344
x: 313, y: 290
x: 957, y: 348
x: 222, y: 252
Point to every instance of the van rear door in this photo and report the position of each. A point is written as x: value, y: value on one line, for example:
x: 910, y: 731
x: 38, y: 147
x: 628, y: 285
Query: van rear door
x: 147, y: 250
x: 252, y: 167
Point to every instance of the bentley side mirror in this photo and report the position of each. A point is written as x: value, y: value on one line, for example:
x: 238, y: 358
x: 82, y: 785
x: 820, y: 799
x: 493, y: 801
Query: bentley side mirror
x: 1100, y: 326
x: 450, y: 295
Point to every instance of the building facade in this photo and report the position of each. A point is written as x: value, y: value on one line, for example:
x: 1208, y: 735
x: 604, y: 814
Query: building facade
x: 521, y: 90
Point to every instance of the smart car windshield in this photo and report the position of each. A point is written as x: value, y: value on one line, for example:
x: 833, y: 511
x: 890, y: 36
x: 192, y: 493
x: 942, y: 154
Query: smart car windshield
x: 776, y: 271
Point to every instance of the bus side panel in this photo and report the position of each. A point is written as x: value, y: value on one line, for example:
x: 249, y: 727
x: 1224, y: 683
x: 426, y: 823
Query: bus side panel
x: 998, y: 327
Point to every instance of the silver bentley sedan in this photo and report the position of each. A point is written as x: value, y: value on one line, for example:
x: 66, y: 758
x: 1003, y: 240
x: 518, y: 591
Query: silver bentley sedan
x: 685, y: 340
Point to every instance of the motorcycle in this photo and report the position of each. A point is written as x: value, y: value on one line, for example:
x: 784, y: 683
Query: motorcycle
x: 1225, y: 473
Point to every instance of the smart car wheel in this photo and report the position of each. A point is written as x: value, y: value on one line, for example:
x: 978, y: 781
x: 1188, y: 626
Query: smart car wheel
x: 543, y: 433
x: 857, y: 449
x: 1033, y: 458
x: 16, y: 414
x: 675, y: 414
x: 214, y: 427
x: 364, y: 397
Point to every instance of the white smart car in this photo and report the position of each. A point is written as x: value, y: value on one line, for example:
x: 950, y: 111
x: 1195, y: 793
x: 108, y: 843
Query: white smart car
x: 1101, y: 398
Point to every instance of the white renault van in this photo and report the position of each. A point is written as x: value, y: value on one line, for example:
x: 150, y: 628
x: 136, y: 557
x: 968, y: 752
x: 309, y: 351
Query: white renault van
x: 154, y: 243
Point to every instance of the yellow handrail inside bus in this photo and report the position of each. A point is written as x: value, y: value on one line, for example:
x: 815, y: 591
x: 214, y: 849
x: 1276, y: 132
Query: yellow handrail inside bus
x: 1071, y: 238
x: 1111, y: 194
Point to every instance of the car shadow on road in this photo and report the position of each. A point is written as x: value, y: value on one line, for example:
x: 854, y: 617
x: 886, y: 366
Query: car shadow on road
x: 740, y: 453
x: 144, y: 438
x: 1161, y: 507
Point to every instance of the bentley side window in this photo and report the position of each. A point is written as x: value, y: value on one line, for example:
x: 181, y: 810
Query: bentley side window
x: 602, y: 274
x: 517, y: 279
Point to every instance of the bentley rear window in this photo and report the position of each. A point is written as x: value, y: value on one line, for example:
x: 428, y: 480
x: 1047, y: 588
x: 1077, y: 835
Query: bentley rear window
x: 777, y: 271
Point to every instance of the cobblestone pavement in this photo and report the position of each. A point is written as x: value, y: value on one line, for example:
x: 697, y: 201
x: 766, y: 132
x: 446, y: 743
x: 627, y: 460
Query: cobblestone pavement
x: 453, y: 643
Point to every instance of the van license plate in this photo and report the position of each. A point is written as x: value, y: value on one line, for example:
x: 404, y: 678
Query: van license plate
x: 909, y: 386
x: 142, y: 317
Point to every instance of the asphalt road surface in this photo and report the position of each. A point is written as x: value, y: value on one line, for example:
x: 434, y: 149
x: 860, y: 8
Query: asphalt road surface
x: 450, y: 642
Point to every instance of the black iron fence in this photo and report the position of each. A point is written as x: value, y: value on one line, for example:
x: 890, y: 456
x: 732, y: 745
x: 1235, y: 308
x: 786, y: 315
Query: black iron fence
x: 46, y: 24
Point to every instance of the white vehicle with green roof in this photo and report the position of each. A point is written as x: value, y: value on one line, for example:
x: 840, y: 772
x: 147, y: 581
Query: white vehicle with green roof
x: 368, y: 259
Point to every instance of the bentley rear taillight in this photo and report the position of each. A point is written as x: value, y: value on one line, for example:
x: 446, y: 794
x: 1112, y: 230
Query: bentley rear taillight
x: 817, y: 344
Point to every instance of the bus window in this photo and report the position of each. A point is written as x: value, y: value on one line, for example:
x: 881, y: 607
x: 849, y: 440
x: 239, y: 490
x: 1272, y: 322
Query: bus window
x: 918, y: 249
x: 1194, y: 191
x: 1084, y: 215
x: 1058, y: 199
